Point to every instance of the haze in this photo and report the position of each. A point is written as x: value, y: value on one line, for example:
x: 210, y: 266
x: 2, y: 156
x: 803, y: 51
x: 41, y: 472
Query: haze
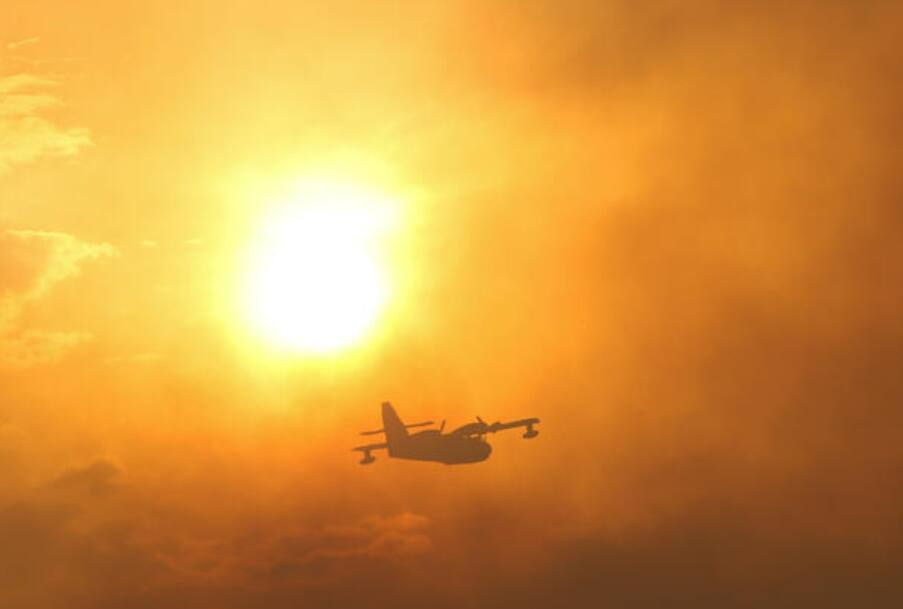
x: 668, y: 230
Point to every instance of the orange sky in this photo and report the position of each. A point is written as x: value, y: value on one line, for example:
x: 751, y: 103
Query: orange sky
x: 668, y: 230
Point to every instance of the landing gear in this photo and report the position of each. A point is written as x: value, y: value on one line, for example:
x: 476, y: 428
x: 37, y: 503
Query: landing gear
x: 530, y: 433
x: 368, y: 458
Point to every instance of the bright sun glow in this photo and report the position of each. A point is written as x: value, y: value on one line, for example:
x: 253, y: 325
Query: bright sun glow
x: 316, y: 280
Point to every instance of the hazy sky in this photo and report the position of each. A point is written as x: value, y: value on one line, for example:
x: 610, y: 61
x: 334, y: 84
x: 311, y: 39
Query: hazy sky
x: 668, y: 229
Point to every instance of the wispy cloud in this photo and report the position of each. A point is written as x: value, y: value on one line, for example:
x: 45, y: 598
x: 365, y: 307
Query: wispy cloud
x: 18, y: 82
x: 22, y: 43
x: 35, y: 260
x: 26, y: 135
x: 33, y: 347
x: 45, y: 60
x: 31, y: 263
x: 136, y: 358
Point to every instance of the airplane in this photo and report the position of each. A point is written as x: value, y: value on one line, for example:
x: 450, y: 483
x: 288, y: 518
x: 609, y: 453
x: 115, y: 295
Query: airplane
x: 466, y: 444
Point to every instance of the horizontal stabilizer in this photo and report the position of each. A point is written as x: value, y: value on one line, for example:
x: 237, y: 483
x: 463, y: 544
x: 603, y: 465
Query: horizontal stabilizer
x: 377, y: 431
x: 368, y: 447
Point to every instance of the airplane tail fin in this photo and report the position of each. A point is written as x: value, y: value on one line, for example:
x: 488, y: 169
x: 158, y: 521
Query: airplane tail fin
x: 394, y: 428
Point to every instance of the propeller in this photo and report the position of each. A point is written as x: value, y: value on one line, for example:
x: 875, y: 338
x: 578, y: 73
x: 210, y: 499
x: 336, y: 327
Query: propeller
x: 442, y: 426
x: 483, y: 429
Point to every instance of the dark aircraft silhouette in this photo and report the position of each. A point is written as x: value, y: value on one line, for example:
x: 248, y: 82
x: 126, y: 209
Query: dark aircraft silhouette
x: 465, y: 444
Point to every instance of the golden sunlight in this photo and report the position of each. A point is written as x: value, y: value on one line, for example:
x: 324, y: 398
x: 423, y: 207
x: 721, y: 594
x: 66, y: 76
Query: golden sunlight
x: 316, y: 281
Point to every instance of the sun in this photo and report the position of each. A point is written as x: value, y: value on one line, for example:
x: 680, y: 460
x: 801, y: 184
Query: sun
x: 316, y: 278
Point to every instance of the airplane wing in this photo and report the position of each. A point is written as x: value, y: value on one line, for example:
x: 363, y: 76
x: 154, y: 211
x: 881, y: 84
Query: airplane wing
x: 481, y: 427
x: 528, y: 423
x: 498, y: 426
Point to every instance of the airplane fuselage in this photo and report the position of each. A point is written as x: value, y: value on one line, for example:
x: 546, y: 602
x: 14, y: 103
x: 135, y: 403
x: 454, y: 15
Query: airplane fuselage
x: 431, y: 445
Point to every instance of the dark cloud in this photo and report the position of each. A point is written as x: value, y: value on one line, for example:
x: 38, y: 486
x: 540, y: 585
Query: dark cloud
x: 73, y: 542
x: 96, y: 540
x: 96, y: 478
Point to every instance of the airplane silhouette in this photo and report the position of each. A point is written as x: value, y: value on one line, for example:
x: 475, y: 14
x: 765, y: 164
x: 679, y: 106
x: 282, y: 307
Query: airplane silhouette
x: 465, y: 444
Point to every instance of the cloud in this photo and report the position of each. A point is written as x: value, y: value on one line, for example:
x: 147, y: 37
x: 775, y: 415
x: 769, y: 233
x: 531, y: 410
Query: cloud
x: 31, y: 263
x: 136, y: 358
x: 60, y: 536
x: 395, y: 536
x: 17, y: 82
x: 92, y: 520
x: 46, y: 61
x: 96, y: 478
x: 31, y: 347
x: 24, y: 42
x: 301, y: 555
x: 26, y: 136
